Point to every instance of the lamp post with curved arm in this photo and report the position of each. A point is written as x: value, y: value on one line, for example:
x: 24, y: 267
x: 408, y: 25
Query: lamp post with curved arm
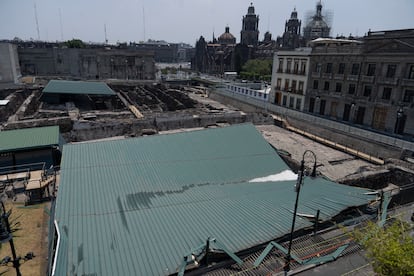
x: 298, y: 185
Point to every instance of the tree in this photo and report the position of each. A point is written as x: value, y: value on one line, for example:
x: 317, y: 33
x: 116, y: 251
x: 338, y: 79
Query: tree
x: 391, y: 248
x: 257, y: 69
x: 75, y: 43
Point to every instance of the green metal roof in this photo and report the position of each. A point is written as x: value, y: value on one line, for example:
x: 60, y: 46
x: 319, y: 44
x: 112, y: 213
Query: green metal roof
x: 29, y: 138
x: 138, y: 206
x: 78, y: 87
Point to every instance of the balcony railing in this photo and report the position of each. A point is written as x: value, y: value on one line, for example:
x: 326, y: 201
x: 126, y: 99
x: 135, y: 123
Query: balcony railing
x: 389, y: 81
x: 368, y: 79
x: 407, y: 82
x: 339, y: 77
x: 316, y: 74
x: 352, y: 77
x: 327, y: 75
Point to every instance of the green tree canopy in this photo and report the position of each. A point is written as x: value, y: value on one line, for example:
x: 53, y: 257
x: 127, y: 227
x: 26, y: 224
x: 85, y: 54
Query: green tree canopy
x: 75, y: 43
x: 391, y: 248
x: 257, y: 69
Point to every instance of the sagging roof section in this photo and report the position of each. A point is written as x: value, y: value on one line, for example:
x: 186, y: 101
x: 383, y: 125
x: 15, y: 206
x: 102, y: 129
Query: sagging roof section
x: 78, y: 87
x: 29, y: 138
x: 138, y: 206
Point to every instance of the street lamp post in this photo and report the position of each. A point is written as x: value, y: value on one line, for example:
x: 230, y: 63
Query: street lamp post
x: 298, y: 185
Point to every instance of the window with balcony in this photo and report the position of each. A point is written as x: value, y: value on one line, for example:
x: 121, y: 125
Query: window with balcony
x: 280, y: 69
x: 326, y: 86
x: 367, y: 90
x: 351, y: 88
x: 300, y: 88
x: 286, y: 84
x: 341, y: 68
x: 371, y: 69
x: 288, y: 66
x: 386, y: 93
x: 318, y: 67
x: 338, y: 87
x: 391, y: 68
x: 296, y: 67
x: 355, y: 69
x: 408, y: 96
x: 328, y: 68
x: 303, y: 67
x: 315, y: 84
x: 411, y: 72
x: 293, y: 88
x: 278, y: 83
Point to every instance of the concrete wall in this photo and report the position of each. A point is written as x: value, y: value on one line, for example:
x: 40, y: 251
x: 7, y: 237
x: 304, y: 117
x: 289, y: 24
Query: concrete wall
x: 9, y: 63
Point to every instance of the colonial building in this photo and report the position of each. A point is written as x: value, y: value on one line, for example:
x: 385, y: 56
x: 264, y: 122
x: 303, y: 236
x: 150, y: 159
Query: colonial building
x: 317, y: 27
x: 250, y: 28
x: 290, y: 77
x: 368, y: 82
x: 291, y: 38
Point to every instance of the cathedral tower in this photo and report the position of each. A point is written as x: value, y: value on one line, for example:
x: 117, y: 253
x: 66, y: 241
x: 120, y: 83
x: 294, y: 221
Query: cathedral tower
x: 250, y: 29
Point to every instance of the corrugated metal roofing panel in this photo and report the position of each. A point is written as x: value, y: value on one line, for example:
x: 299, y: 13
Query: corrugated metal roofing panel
x: 78, y: 87
x: 29, y: 138
x: 138, y: 206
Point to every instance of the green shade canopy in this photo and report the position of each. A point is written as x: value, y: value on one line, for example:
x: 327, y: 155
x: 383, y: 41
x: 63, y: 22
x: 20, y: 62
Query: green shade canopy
x: 78, y: 87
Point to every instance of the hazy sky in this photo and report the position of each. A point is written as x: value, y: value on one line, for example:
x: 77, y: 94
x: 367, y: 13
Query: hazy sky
x: 186, y: 20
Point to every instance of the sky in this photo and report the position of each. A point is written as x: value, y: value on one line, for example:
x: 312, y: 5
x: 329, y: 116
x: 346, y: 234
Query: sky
x: 186, y: 20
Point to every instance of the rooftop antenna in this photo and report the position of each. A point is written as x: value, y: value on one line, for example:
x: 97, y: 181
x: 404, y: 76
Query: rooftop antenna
x: 106, y: 38
x: 61, y: 25
x: 143, y: 19
x: 37, y: 22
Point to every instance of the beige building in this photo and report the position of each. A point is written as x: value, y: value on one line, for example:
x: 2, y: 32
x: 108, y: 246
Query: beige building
x: 290, y: 78
x: 368, y: 82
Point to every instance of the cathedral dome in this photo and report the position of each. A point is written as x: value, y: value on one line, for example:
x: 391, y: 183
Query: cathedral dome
x: 227, y: 37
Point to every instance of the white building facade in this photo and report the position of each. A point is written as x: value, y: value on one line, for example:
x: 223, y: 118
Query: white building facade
x: 290, y: 78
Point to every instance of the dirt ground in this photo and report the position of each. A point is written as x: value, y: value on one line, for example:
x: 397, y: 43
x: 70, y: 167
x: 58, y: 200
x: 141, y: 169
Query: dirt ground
x: 32, y: 237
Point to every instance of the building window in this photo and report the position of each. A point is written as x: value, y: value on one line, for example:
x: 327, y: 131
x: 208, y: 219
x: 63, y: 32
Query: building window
x: 286, y: 84
x: 341, y: 68
x: 367, y: 90
x: 318, y: 67
x: 351, y: 88
x: 355, y: 69
x: 326, y: 86
x: 280, y: 70
x: 411, y: 72
x: 386, y: 93
x: 291, y: 102
x: 303, y: 67
x: 300, y: 89
x: 288, y: 65
x: 293, y: 88
x: 409, y: 96
x: 278, y: 83
x: 315, y: 84
x: 284, y: 100
x: 298, y: 103
x: 338, y: 87
x: 371, y: 69
x: 328, y: 68
x: 391, y: 71
x: 296, y: 67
